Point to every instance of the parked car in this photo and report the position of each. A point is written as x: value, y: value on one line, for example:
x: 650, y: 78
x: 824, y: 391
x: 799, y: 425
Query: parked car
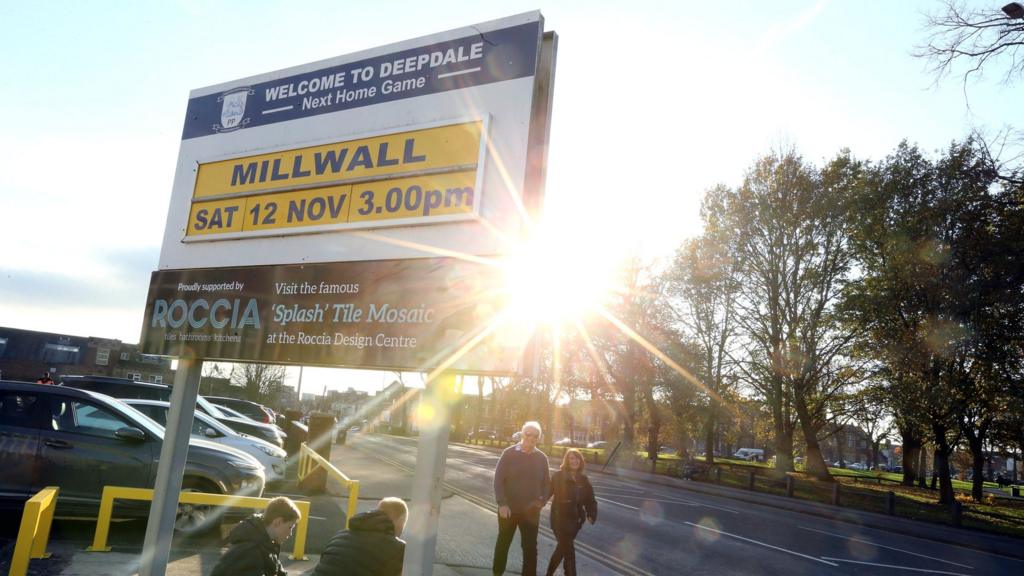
x: 239, y: 423
x: 482, y: 435
x: 257, y: 412
x: 126, y: 388
x: 82, y: 441
x: 567, y: 442
x: 857, y: 466
x: 119, y: 387
x: 271, y: 457
x: 667, y: 451
x: 598, y: 445
x: 749, y: 454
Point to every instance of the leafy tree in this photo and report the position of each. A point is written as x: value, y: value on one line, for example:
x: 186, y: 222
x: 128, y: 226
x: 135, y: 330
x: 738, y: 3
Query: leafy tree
x: 940, y: 296
x: 786, y: 225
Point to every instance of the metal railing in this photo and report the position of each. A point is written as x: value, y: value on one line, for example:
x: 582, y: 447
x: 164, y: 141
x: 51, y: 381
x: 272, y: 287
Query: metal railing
x: 111, y: 493
x: 35, y: 530
x: 309, y: 461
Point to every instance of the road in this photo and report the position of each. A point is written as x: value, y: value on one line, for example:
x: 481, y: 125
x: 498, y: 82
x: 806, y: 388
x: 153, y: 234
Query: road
x: 651, y: 529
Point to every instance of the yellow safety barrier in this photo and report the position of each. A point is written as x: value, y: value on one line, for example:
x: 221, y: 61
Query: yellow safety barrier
x: 309, y: 460
x: 35, y: 530
x: 111, y: 493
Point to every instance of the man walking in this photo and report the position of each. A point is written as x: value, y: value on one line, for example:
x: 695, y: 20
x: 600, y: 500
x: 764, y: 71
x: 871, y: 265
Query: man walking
x: 522, y: 485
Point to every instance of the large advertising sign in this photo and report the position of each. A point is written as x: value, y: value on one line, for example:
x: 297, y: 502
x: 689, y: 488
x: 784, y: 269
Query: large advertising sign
x: 336, y: 213
x: 412, y: 314
x: 411, y: 150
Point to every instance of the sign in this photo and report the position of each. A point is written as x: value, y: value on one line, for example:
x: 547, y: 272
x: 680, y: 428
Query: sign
x: 410, y: 177
x: 402, y: 314
x: 417, y: 149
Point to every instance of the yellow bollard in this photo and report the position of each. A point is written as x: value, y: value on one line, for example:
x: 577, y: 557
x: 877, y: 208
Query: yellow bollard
x: 353, y: 501
x: 298, y: 553
x: 34, y: 531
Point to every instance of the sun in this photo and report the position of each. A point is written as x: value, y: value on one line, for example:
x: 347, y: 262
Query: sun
x: 557, y: 277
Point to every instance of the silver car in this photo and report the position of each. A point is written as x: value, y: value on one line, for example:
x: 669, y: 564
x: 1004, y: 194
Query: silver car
x: 204, y: 426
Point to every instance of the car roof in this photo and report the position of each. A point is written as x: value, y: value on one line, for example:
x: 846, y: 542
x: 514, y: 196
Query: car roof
x: 113, y: 380
x: 67, y: 390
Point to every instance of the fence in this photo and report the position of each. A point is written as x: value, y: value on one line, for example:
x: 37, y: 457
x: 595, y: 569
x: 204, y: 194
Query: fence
x: 309, y: 461
x: 111, y: 493
x: 35, y: 530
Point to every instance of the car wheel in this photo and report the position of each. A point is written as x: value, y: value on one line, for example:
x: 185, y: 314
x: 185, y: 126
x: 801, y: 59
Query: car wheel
x: 196, y: 519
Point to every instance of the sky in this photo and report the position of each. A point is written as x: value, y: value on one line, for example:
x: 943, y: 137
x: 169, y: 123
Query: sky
x: 654, y: 103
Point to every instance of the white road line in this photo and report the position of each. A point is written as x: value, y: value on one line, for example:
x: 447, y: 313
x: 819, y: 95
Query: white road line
x: 884, y: 546
x: 893, y: 566
x: 281, y: 109
x: 616, y: 503
x: 467, y: 71
x: 688, y: 502
x: 766, y: 545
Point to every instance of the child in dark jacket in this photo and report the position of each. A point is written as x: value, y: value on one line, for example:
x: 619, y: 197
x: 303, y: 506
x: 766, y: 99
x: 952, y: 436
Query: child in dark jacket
x: 572, y: 503
x: 370, y: 546
x: 256, y: 542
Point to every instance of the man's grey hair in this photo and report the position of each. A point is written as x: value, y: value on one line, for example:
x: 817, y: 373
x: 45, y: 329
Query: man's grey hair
x: 534, y: 425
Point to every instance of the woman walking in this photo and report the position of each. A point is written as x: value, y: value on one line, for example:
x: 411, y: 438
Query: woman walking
x: 572, y: 504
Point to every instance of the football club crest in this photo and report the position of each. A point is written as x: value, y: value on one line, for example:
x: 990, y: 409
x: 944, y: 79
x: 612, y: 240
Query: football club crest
x: 232, y: 112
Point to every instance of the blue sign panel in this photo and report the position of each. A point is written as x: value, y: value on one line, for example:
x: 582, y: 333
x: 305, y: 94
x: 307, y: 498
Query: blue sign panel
x: 475, y: 60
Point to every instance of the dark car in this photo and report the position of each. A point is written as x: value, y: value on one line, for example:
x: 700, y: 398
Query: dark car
x: 82, y: 441
x: 257, y: 412
x: 119, y: 387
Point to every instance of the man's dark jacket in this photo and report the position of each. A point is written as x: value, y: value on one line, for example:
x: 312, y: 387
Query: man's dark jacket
x: 368, y: 548
x: 252, y: 552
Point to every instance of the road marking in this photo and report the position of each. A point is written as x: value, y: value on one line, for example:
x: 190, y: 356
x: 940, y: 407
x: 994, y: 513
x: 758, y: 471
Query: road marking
x: 677, y: 501
x: 884, y: 546
x: 616, y: 503
x: 766, y: 545
x: 893, y: 566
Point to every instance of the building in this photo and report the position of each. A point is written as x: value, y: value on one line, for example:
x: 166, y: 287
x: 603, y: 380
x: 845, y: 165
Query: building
x: 27, y: 354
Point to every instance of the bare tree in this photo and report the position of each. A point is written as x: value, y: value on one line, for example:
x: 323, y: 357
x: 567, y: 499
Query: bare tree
x: 257, y: 379
x: 975, y: 37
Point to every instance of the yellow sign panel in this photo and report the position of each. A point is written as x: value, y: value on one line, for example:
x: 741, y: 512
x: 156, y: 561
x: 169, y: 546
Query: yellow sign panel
x: 416, y: 197
x: 369, y: 158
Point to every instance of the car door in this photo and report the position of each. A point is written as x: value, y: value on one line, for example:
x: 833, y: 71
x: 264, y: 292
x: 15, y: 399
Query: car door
x: 21, y: 417
x: 81, y: 453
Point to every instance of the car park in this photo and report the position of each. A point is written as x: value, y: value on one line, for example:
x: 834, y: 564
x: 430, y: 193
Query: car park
x: 271, y: 457
x: 257, y: 412
x: 82, y: 441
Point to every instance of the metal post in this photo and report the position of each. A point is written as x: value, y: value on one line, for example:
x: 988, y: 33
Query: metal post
x: 156, y: 546
x: 835, y: 494
x: 425, y: 512
x: 890, y: 503
x: 789, y: 486
x: 750, y: 480
x: 956, y: 508
x: 718, y: 474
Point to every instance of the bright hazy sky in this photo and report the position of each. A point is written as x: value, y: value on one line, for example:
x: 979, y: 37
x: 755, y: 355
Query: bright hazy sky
x: 654, y: 103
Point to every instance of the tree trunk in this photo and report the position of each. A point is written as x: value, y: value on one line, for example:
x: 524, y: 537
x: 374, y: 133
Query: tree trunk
x: 709, y: 437
x: 942, y: 452
x: 977, y: 467
x: 911, y: 452
x: 922, y: 468
x: 783, y: 448
x: 814, y: 463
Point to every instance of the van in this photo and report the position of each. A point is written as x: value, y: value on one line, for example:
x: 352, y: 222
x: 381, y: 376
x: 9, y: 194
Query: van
x: 749, y: 454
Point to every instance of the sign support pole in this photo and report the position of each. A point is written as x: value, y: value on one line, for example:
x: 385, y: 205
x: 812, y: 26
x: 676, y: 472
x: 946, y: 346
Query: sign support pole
x: 421, y: 534
x: 156, y: 547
